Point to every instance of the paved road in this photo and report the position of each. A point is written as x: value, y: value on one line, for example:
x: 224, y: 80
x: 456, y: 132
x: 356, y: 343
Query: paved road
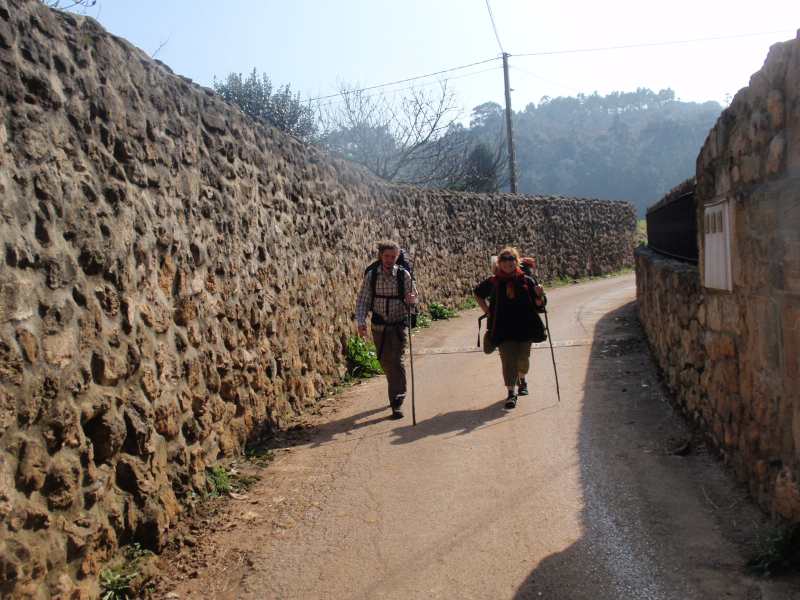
x: 585, y: 498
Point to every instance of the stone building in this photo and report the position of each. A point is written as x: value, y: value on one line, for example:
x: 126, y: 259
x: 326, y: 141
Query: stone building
x: 727, y: 332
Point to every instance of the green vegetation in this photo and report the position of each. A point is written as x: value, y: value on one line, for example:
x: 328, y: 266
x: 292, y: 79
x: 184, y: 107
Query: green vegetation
x: 482, y: 169
x: 115, y: 584
x: 640, y: 238
x: 440, y: 311
x: 423, y: 320
x: 362, y: 358
x: 224, y: 481
x: 625, y: 145
x: 259, y: 454
x: 778, y: 552
x: 468, y: 304
x: 219, y: 480
x: 622, y: 146
x: 633, y: 145
x: 280, y: 108
x: 122, y: 581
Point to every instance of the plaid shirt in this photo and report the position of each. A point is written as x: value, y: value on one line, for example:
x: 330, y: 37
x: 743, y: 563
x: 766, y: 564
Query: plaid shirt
x: 392, y: 310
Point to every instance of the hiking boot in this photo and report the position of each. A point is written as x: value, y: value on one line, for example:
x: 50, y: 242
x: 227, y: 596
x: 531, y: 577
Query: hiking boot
x: 397, y: 413
x: 523, y: 388
x: 511, y: 400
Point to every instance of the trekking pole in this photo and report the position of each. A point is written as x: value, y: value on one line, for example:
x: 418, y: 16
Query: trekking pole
x: 411, y: 361
x: 550, y: 339
x: 552, y: 354
x: 411, y: 349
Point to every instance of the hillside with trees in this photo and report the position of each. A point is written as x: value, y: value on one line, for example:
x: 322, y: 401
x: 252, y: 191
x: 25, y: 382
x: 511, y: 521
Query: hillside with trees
x: 631, y: 146
x: 628, y: 146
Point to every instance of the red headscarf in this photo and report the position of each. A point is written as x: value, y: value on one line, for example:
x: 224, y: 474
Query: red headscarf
x: 509, y: 279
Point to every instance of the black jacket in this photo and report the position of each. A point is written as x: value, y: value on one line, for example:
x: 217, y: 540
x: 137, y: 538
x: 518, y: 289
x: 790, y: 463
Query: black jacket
x: 514, y: 318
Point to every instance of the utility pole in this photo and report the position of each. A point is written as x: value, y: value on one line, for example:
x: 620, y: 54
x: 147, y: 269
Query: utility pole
x: 512, y: 167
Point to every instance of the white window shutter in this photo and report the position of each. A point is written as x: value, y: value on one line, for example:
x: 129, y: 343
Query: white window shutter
x: 717, y: 250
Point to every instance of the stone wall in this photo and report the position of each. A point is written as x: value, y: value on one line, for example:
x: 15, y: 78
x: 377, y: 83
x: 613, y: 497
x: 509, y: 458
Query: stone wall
x: 733, y: 358
x: 175, y: 276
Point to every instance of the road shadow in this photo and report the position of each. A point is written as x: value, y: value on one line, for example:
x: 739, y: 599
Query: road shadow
x: 315, y: 435
x: 461, y: 422
x: 656, y: 519
x: 333, y: 431
x: 346, y: 430
x: 355, y: 427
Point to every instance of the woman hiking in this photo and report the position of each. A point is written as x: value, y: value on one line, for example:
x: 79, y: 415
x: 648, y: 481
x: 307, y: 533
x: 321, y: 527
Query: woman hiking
x: 513, y: 301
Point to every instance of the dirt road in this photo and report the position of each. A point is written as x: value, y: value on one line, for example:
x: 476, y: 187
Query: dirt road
x: 603, y: 495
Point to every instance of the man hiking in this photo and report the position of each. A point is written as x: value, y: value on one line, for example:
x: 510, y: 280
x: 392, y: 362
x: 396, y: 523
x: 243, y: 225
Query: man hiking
x: 388, y: 292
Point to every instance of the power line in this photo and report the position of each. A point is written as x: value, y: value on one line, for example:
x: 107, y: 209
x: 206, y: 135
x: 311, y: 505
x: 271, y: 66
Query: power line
x: 548, y: 53
x: 411, y: 87
x: 651, y: 44
x: 494, y: 26
x: 380, y: 85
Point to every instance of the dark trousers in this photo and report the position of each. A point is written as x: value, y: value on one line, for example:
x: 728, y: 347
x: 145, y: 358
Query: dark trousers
x: 390, y: 343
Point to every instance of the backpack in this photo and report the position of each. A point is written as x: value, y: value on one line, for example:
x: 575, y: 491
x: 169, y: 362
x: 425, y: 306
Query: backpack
x: 404, y: 265
x: 527, y: 270
x: 539, y: 333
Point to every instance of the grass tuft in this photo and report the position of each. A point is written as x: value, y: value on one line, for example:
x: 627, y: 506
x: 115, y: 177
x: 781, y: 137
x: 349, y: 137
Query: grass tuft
x: 120, y: 582
x: 219, y: 480
x: 115, y: 584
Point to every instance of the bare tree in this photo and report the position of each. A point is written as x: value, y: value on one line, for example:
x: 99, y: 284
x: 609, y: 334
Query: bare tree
x: 404, y: 140
x: 69, y: 4
x: 161, y: 46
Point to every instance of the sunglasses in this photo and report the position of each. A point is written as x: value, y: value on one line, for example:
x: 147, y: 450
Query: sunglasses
x: 507, y: 258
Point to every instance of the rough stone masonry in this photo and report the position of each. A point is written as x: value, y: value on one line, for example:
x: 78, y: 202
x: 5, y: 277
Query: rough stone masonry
x: 733, y: 358
x: 175, y: 276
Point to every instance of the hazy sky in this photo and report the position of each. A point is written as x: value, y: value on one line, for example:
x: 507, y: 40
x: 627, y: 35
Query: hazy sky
x: 315, y: 44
